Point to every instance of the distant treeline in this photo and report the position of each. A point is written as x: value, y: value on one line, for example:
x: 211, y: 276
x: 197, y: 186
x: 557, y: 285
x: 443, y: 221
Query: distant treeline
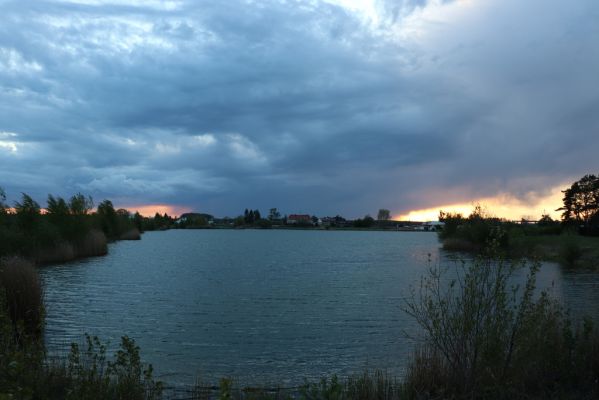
x: 65, y: 229
x: 253, y: 218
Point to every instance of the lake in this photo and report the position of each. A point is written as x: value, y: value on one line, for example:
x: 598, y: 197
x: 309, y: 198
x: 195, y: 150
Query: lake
x: 262, y: 306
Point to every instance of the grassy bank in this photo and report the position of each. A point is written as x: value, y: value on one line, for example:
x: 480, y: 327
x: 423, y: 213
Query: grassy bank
x: 481, y: 338
x: 569, y: 249
x: 546, y: 240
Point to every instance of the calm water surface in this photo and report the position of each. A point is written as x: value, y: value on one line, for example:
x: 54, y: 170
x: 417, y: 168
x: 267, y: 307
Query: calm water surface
x: 262, y: 306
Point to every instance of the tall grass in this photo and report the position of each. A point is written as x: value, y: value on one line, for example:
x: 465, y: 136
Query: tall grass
x: 60, y: 252
x: 94, y: 243
x: 23, y: 296
x: 131, y: 234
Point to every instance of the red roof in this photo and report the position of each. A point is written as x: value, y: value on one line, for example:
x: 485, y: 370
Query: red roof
x: 299, y: 217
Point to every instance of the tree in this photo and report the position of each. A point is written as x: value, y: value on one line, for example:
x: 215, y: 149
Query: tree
x: 57, y: 206
x: 264, y: 223
x: 138, y: 221
x: 108, y: 218
x: 239, y: 221
x: 257, y: 215
x: 383, y: 215
x: 58, y: 213
x: 80, y: 205
x: 581, y: 200
x: 366, y: 222
x: 28, y: 211
x: 274, y: 214
x: 3, y: 206
x: 545, y: 220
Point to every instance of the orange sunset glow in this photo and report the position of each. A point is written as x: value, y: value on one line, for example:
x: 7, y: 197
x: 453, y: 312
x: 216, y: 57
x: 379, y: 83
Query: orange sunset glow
x: 149, y: 210
x: 502, y: 206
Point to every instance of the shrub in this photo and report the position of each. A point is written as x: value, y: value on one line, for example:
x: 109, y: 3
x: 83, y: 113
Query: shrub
x: 263, y: 224
x: 92, y: 244
x: 457, y: 244
x: 24, y: 297
x: 131, y: 234
x: 60, y: 252
x: 372, y: 386
x: 569, y: 253
x: 89, y: 375
x: 485, y: 337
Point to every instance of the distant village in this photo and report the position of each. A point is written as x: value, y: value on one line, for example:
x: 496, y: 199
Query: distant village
x: 274, y: 220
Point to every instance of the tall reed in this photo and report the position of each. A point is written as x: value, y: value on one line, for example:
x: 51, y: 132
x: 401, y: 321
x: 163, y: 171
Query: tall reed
x: 94, y: 243
x: 24, y: 297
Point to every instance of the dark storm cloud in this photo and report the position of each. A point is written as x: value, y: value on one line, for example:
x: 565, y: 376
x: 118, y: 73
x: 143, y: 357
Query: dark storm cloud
x: 308, y: 106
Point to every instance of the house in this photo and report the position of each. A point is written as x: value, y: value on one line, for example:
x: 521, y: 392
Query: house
x: 336, y: 221
x: 433, y: 226
x: 299, y: 219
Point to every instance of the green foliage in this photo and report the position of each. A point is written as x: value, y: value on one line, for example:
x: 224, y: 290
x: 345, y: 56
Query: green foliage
x: 383, y: 215
x: 27, y: 211
x: 225, y: 389
x: 65, y: 230
x: 545, y: 226
x: 108, y: 219
x: 326, y: 390
x: 570, y: 252
x: 80, y: 205
x: 452, y: 222
x: 373, y: 386
x: 239, y: 221
x: 474, y: 232
x: 367, y: 386
x: 159, y: 222
x: 131, y: 378
x: 581, y: 200
x: 486, y: 337
x: 250, y: 217
x: 273, y: 213
x: 263, y: 223
x: 26, y: 373
x: 365, y: 222
x: 138, y: 221
x: 57, y: 208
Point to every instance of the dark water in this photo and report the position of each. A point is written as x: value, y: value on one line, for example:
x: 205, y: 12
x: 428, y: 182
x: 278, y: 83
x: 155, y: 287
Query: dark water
x: 260, y: 306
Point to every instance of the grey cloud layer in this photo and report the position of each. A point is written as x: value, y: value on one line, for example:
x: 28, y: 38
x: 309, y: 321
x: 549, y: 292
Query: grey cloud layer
x: 301, y: 105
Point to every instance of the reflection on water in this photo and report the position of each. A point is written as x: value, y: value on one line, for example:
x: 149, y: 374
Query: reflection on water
x: 266, y: 306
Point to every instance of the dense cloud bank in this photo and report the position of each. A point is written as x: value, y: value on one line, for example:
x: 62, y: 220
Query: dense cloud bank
x: 309, y: 106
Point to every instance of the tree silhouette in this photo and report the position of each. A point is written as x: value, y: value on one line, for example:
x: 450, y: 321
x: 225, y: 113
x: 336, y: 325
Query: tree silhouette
x: 383, y: 215
x: 581, y: 200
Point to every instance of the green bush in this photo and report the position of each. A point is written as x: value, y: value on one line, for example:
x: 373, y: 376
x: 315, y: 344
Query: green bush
x: 570, y: 253
x: 485, y: 337
x: 472, y: 233
x: 91, y: 376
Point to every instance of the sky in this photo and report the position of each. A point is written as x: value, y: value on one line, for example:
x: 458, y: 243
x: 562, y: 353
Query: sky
x: 320, y: 106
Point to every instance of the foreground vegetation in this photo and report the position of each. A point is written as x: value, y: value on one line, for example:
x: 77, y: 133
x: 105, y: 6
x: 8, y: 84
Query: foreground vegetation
x: 483, y: 336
